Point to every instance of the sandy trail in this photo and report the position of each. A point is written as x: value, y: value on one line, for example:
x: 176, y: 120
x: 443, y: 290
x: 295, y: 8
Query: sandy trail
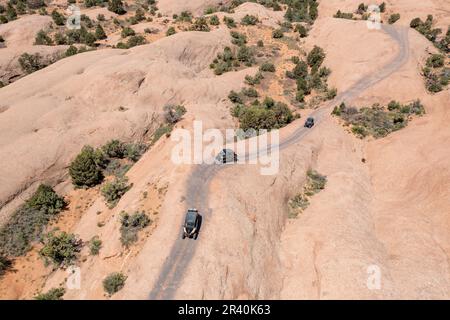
x: 197, y: 196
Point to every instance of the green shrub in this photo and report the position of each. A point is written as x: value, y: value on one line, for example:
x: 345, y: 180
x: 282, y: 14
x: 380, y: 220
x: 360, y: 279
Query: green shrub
x: 237, y: 38
x: 393, y: 18
x: 278, y: 33
x: 245, y: 55
x: 84, y: 170
x: 5, y: 265
x: 114, y: 282
x: 114, y: 149
x: 43, y: 39
x: 343, y: 15
x: 229, y: 22
x: 214, y: 20
x: 200, y: 24
x: 250, y: 92
x: 60, y: 248
x: 436, y: 61
x: 264, y: 117
x: 131, y: 225
x: 301, y: 11
x: 92, y: 3
x: 35, y: 4
x: 27, y: 223
x: 52, y: 294
x: 234, y: 97
x: 126, y: 32
x: 376, y: 120
x: 260, y: 43
x: 267, y: 67
x: 302, y: 31
x: 184, y: 16
x: 173, y: 113
x: 134, y: 151
x: 254, y: 80
x: 170, y: 31
x: 116, y: 6
x: 114, y: 190
x: 95, y: 245
x: 248, y: 20
x: 100, y: 33
x: 315, y: 57
x: 58, y: 18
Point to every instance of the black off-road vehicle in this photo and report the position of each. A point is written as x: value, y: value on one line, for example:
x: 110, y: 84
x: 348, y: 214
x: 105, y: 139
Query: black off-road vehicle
x: 309, y: 122
x: 192, y: 224
x: 226, y: 156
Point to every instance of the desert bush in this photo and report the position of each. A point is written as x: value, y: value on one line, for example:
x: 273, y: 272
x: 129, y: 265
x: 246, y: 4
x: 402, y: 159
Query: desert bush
x: 52, y: 294
x: 84, y: 170
x: 5, y: 264
x: 126, y: 32
x: 378, y: 121
x: 237, y: 38
x: 436, y: 61
x: 302, y: 31
x: 170, y: 31
x: 27, y: 223
x: 245, y: 55
x: 114, y: 282
x: 58, y: 18
x: 134, y: 151
x: 100, y: 33
x: 229, y: 22
x: 173, y: 113
x: 426, y: 28
x: 130, y: 225
x: 301, y: 11
x: 393, y: 18
x: 277, y: 33
x: 114, y: 149
x: 260, y: 43
x: 43, y: 39
x: 114, y: 190
x: 224, y: 61
x: 200, y: 24
x: 315, y: 182
x: 267, y: 67
x: 214, y: 20
x: 32, y: 62
x: 95, y: 245
x: 254, y: 80
x: 116, y: 6
x: 234, y: 97
x: 248, y: 20
x: 315, y: 57
x: 264, y: 116
x: 92, y: 3
x: 343, y: 15
x: 250, y: 92
x: 185, y: 16
x: 81, y: 35
x: 35, y: 4
x: 60, y: 249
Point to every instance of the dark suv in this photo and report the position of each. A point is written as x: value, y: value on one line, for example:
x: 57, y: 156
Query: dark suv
x: 192, y: 224
x: 309, y: 122
x: 226, y: 156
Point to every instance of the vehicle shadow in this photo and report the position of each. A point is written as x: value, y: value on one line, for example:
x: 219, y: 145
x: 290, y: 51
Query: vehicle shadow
x: 200, y: 220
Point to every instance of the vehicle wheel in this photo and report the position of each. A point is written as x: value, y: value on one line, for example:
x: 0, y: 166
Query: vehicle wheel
x: 183, y: 236
x: 195, y: 236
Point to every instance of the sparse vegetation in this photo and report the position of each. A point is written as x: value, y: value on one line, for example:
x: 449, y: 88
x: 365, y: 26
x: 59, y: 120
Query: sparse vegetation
x: 426, y: 28
x: 229, y: 22
x: 43, y: 39
x: 52, y: 294
x: 116, y: 6
x: 267, y: 67
x: 301, y: 11
x: 173, y: 113
x: 378, y: 121
x: 5, y: 264
x: 393, y: 18
x: 28, y: 222
x: 249, y: 20
x: 170, y: 31
x: 131, y: 225
x: 60, y: 249
x: 277, y: 34
x: 114, y: 282
x: 114, y: 190
x: 315, y: 182
x: 95, y: 245
x: 84, y: 170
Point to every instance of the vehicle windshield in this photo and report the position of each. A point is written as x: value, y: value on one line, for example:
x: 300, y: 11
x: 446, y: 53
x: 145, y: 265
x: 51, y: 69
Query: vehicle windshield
x: 190, y: 218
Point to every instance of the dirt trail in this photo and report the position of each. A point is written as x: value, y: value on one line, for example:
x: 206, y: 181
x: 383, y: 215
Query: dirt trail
x: 182, y: 251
